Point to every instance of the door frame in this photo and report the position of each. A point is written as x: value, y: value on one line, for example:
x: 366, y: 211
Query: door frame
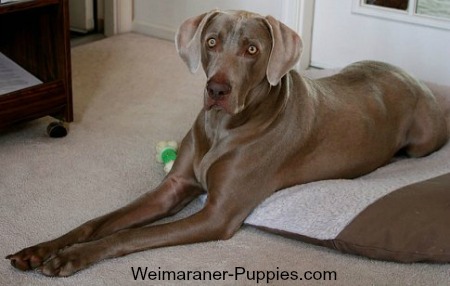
x: 118, y: 16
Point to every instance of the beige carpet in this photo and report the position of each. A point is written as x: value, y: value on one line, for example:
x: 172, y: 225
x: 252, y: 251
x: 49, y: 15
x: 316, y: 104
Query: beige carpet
x: 130, y: 92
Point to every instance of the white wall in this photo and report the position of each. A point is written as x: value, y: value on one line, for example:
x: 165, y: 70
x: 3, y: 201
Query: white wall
x: 161, y: 18
x: 340, y: 38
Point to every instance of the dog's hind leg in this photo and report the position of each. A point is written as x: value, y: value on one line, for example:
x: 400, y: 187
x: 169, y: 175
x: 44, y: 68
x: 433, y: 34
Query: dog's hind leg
x: 428, y: 131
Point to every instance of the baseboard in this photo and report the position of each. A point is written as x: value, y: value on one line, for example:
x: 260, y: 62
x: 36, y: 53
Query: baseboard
x: 158, y: 31
x: 321, y: 65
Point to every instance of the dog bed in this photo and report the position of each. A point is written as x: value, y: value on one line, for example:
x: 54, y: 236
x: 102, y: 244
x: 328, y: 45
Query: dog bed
x: 400, y: 212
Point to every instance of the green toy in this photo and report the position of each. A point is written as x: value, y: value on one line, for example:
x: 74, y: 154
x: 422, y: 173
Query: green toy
x: 166, y: 152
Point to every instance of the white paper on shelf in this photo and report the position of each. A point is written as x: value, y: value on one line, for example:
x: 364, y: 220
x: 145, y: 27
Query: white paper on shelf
x: 6, y: 1
x: 13, y: 77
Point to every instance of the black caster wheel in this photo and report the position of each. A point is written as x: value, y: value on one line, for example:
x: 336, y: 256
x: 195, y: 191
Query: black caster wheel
x: 56, y: 130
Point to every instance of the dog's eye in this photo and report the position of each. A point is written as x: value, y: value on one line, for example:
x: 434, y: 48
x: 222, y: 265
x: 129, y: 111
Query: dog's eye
x: 211, y: 42
x: 252, y: 50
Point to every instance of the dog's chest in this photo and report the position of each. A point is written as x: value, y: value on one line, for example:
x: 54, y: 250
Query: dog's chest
x: 220, y: 144
x: 203, y: 165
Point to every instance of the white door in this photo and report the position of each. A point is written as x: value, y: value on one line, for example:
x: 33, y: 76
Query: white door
x: 412, y: 34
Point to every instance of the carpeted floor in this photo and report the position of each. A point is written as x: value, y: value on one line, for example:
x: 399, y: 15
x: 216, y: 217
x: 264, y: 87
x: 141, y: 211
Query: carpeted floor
x: 130, y: 92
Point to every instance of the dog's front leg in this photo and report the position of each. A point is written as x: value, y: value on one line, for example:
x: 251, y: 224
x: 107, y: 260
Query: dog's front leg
x: 211, y: 223
x: 229, y: 202
x: 177, y: 189
x: 168, y: 198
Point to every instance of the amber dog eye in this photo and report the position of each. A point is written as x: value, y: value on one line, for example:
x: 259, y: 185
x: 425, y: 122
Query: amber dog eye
x: 252, y: 50
x: 211, y: 42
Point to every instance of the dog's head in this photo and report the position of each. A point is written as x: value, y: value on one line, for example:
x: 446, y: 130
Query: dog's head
x: 240, y: 52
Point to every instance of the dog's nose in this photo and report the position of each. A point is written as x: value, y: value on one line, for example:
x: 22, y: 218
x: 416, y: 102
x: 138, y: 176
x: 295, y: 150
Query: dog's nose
x: 217, y: 90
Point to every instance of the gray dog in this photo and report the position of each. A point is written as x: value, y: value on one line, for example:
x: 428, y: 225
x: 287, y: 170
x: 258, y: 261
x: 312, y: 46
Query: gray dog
x: 263, y: 128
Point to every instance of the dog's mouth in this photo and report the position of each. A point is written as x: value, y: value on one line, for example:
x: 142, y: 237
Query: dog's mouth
x: 220, y: 104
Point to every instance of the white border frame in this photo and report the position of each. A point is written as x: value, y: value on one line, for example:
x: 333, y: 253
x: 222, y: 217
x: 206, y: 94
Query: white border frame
x: 408, y: 16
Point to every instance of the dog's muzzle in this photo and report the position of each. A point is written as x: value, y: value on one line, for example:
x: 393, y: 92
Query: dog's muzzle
x: 217, y: 91
x: 217, y: 95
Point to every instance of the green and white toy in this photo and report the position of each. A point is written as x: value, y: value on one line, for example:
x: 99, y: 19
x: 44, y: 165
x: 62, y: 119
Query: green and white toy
x: 166, y: 152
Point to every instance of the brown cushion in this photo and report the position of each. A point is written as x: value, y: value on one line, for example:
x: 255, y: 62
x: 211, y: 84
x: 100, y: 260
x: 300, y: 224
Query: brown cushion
x: 408, y: 225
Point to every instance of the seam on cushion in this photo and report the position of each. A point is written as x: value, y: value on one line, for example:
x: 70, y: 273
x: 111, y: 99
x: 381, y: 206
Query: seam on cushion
x: 421, y: 254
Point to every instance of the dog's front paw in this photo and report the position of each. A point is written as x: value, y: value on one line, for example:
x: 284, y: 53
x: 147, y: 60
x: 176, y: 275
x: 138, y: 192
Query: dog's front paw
x: 64, y: 263
x: 32, y: 257
x: 70, y: 260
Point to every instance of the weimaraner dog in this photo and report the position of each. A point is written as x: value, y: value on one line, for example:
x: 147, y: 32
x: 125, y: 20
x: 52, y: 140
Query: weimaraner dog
x: 263, y: 128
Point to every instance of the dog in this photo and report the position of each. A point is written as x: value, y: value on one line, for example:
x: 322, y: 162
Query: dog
x: 262, y: 128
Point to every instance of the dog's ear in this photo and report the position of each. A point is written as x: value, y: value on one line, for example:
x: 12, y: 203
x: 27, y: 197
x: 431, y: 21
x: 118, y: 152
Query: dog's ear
x: 286, y: 50
x: 187, y: 39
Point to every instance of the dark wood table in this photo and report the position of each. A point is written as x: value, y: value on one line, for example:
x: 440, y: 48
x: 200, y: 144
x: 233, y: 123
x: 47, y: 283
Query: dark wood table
x: 35, y: 35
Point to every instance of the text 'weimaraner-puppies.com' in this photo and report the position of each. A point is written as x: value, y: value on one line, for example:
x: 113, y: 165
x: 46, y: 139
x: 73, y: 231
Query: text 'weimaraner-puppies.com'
x: 263, y: 128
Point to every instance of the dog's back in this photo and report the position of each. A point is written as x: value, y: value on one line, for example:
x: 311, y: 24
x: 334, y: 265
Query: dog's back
x: 388, y: 92
x: 363, y: 117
